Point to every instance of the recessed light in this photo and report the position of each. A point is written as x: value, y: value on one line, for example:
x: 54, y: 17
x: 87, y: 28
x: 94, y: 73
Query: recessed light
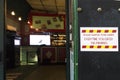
x: 31, y: 26
x: 37, y: 29
x: 19, y: 18
x: 13, y: 13
x: 28, y: 22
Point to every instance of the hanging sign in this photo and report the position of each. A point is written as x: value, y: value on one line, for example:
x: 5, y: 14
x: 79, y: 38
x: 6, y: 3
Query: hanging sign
x: 99, y: 38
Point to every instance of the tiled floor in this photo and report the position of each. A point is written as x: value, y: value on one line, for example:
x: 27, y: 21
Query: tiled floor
x: 42, y: 72
x: 48, y: 72
x: 12, y: 76
x: 19, y: 73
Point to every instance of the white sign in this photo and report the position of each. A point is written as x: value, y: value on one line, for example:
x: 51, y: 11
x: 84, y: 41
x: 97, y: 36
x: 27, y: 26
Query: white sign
x: 99, y: 38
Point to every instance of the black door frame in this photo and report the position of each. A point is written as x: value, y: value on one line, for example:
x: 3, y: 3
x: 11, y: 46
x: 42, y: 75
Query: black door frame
x: 2, y: 38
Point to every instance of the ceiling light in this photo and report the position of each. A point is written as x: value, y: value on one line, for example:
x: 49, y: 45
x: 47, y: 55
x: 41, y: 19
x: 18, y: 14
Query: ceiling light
x: 13, y: 13
x: 31, y: 26
x: 37, y: 29
x: 19, y: 18
x: 28, y: 22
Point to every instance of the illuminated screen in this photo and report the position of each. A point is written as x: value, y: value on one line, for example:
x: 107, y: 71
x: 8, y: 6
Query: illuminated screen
x: 16, y: 42
x: 39, y: 39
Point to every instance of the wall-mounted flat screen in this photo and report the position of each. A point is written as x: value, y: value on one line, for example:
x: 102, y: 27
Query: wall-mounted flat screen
x: 39, y: 39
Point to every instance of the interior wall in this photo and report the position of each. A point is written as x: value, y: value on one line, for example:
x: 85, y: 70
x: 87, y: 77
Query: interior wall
x: 13, y: 24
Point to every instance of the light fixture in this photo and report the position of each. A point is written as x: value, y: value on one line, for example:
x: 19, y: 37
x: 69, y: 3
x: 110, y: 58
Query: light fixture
x: 12, y: 13
x: 28, y: 22
x: 31, y: 26
x: 37, y: 29
x: 19, y: 18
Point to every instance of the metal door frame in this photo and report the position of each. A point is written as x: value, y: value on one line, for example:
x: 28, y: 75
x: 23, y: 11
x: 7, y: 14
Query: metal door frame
x: 75, y: 38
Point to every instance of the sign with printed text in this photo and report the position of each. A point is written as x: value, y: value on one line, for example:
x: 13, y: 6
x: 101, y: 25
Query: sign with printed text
x: 99, y: 38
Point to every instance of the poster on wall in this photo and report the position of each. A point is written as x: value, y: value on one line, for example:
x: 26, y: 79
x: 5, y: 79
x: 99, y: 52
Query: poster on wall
x: 99, y: 39
x: 48, y: 22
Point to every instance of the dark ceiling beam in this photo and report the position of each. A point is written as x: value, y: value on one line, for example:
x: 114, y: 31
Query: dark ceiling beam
x: 56, y: 6
x: 43, y: 6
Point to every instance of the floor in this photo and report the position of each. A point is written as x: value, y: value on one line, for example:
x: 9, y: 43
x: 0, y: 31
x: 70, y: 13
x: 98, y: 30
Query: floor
x: 42, y: 72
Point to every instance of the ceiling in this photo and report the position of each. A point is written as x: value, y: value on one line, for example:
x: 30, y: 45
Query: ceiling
x: 23, y: 7
x: 54, y: 6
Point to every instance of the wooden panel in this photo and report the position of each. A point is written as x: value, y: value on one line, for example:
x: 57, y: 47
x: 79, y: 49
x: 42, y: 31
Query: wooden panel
x: 49, y: 54
x: 61, y: 55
